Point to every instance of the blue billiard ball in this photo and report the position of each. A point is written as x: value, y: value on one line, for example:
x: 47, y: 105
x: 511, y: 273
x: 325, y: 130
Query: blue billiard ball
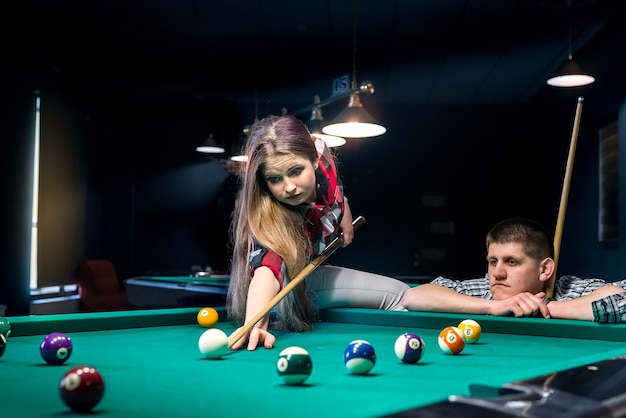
x: 56, y: 348
x: 409, y: 348
x: 359, y: 357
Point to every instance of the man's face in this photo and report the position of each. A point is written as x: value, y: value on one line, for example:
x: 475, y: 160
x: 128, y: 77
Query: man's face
x: 511, y: 271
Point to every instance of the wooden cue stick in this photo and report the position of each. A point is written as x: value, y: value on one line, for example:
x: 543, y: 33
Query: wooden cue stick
x: 308, y: 269
x: 558, y: 234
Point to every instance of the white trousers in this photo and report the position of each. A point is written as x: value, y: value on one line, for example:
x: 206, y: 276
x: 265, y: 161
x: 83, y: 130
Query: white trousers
x: 340, y: 287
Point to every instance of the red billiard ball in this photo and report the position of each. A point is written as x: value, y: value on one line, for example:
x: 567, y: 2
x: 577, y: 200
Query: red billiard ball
x: 81, y: 388
x: 56, y: 348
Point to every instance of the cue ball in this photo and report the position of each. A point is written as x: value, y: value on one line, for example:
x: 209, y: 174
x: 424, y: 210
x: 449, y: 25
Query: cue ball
x: 359, y: 357
x: 451, y: 340
x: 409, y: 348
x: 81, y: 388
x: 471, y: 330
x: 3, y: 344
x: 5, y: 327
x: 56, y: 348
x: 207, y: 317
x: 213, y: 343
x: 294, y: 365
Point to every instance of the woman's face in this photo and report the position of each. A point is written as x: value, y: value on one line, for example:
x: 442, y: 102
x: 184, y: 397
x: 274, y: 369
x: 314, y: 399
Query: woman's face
x: 291, y: 179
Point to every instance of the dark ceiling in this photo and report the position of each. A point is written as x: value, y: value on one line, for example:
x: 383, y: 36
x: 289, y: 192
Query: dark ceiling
x: 414, y: 51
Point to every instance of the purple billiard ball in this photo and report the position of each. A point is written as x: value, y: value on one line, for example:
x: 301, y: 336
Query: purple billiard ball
x: 56, y: 348
x: 409, y: 348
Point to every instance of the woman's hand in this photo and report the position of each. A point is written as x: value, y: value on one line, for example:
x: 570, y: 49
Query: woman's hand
x: 347, y: 229
x: 254, y: 337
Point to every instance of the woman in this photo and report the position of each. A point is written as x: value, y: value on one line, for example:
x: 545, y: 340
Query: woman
x: 290, y: 207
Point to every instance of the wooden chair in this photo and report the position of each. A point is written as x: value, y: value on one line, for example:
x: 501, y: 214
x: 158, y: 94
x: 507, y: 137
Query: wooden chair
x: 99, y: 287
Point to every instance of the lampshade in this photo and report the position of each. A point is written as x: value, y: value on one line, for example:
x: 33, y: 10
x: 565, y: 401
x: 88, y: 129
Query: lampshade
x: 210, y: 146
x: 570, y: 74
x: 354, y: 122
x: 315, y: 125
x: 239, y: 158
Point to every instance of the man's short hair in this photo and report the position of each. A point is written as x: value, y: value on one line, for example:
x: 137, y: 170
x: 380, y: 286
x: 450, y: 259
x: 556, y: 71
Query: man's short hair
x: 534, y: 238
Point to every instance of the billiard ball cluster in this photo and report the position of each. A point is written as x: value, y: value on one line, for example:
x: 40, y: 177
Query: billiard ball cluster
x: 452, y: 340
x: 294, y: 364
x: 81, y: 388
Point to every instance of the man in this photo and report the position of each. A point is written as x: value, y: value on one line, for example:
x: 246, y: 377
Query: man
x: 520, y: 261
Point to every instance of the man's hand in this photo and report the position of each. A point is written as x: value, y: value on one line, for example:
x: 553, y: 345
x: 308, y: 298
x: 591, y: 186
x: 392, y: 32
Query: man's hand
x: 521, y: 305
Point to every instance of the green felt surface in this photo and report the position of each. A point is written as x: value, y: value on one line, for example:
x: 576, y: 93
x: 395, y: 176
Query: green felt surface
x: 156, y: 369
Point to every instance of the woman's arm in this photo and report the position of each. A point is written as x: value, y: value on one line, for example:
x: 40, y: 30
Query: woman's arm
x: 263, y: 287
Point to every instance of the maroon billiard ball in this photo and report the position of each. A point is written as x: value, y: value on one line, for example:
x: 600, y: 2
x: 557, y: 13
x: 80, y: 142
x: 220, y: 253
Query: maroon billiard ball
x: 81, y: 388
x: 56, y: 348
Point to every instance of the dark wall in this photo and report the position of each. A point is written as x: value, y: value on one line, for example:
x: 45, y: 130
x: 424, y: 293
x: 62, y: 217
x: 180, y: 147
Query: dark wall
x: 132, y: 189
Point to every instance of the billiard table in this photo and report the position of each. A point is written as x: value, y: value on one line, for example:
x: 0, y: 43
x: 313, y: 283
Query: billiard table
x: 149, y: 292
x: 152, y: 366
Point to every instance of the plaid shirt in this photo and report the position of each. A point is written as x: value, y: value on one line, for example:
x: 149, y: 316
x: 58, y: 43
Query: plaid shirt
x: 610, y: 309
x: 322, y: 219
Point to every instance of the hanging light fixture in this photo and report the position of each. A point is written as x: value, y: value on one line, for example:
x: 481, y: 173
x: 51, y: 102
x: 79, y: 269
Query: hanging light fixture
x: 354, y: 121
x: 316, y: 123
x: 210, y: 146
x: 570, y: 74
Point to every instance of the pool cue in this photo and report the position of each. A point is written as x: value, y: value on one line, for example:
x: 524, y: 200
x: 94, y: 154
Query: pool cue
x: 558, y: 234
x: 308, y: 269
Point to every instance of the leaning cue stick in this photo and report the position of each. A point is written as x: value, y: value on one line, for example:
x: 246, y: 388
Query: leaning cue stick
x: 308, y: 269
x: 558, y: 234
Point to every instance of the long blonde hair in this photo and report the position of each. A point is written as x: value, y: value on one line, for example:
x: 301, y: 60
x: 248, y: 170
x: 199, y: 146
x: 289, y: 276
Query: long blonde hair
x: 279, y: 228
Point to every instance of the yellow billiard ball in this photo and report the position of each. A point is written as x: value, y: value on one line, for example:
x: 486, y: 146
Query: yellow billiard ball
x: 471, y: 330
x: 207, y: 317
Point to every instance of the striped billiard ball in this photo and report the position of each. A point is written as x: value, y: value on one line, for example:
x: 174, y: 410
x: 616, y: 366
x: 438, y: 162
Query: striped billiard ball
x: 409, y: 348
x: 451, y: 340
x: 359, y: 357
x: 471, y: 330
x: 294, y: 365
